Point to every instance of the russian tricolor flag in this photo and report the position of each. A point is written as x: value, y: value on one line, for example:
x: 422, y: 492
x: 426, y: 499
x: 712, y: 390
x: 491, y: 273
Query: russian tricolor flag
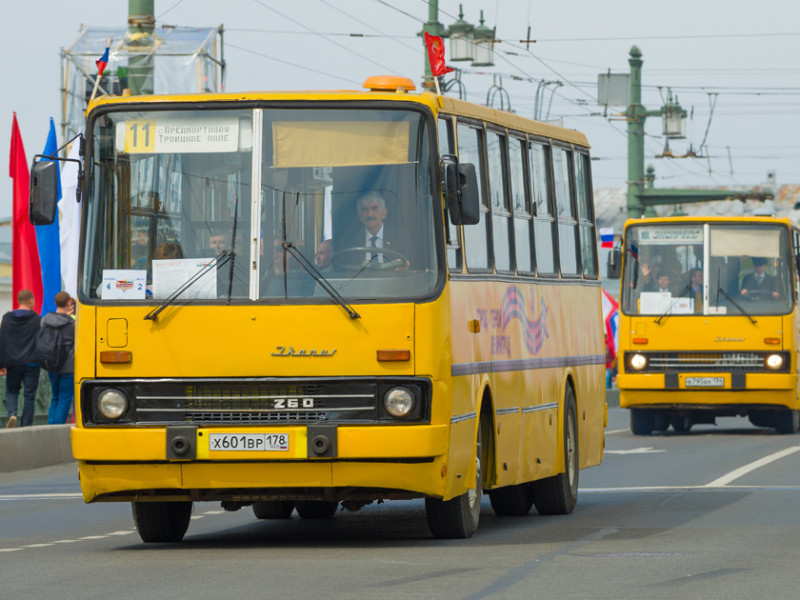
x: 606, y: 237
x: 102, y: 63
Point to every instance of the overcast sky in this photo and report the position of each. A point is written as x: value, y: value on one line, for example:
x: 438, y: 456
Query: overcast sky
x: 742, y: 56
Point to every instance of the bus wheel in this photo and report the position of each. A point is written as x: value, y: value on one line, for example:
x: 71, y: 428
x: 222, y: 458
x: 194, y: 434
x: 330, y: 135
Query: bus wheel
x: 316, y: 509
x: 681, y: 423
x: 661, y: 421
x: 558, y: 495
x: 458, y: 518
x: 511, y: 501
x: 787, y: 421
x: 273, y: 509
x: 161, y: 521
x: 641, y: 421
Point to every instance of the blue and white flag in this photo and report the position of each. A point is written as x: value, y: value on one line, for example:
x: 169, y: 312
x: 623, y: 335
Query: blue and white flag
x: 47, y: 239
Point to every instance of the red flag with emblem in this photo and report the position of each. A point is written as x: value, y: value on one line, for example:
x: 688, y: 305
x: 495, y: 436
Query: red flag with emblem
x: 435, y: 46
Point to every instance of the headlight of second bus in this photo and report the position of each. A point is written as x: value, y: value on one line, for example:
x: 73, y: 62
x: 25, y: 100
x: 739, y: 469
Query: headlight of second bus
x: 774, y: 361
x: 112, y: 404
x: 637, y: 362
x: 399, y: 402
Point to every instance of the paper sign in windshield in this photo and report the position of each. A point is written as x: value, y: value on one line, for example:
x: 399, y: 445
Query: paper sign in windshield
x: 123, y: 284
x: 169, y: 275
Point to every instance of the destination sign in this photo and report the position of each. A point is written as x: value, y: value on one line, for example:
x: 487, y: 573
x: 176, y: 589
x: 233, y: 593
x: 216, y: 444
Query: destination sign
x: 171, y: 135
x: 670, y: 235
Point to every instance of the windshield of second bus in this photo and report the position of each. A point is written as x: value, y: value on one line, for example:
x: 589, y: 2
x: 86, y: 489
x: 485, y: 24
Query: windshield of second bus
x: 709, y: 269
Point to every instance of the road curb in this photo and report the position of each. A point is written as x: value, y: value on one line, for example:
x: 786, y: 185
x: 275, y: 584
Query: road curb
x: 33, y: 447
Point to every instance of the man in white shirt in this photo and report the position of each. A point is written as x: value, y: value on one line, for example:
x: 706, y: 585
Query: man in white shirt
x: 371, y: 212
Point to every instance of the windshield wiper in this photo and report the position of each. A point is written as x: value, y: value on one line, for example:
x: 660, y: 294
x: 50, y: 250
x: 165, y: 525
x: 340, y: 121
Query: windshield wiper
x: 217, y: 261
x: 735, y: 303
x: 320, y: 279
x: 669, y: 308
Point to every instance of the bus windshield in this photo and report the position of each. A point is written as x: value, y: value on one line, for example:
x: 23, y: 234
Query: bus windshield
x: 343, y: 194
x: 707, y: 268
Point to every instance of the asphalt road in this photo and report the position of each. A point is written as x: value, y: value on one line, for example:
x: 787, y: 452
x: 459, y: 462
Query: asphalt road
x: 712, y: 514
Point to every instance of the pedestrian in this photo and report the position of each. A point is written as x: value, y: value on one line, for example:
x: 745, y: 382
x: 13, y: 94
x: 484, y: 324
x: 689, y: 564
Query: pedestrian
x: 61, y: 368
x: 18, y: 331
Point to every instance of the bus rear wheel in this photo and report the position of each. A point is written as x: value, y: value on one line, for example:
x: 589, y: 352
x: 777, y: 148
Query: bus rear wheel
x: 273, y: 509
x: 511, y: 501
x: 558, y: 495
x: 161, y: 521
x: 458, y: 518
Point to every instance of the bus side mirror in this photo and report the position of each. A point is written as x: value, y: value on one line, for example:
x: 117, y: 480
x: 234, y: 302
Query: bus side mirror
x: 614, y: 263
x: 43, y: 192
x: 461, y: 191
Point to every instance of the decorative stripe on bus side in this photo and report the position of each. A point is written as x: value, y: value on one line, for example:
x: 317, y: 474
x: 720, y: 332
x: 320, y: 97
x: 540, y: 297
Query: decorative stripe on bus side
x: 507, y: 411
x: 466, y: 417
x: 548, y: 406
x: 526, y: 364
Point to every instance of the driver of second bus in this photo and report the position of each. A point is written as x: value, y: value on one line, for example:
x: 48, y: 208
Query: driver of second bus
x: 759, y: 281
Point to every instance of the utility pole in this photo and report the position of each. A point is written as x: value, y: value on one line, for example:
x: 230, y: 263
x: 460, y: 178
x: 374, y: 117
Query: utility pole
x: 141, y: 24
x: 643, y: 197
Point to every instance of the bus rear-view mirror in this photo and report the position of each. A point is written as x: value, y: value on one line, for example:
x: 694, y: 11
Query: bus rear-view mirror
x: 43, y: 193
x: 461, y: 192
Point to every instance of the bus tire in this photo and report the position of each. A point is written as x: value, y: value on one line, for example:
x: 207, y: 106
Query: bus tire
x: 511, y: 501
x: 661, y: 421
x: 273, y: 509
x: 558, y: 495
x: 787, y: 421
x: 316, y: 509
x: 161, y: 521
x: 641, y: 421
x: 762, y: 418
x: 681, y: 423
x: 458, y: 518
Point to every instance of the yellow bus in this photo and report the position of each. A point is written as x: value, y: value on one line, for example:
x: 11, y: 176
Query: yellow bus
x: 708, y: 324
x: 301, y: 301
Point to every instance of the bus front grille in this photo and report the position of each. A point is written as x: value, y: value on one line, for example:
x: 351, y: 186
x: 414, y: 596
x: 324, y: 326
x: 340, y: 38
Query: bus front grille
x: 253, y: 401
x: 709, y: 362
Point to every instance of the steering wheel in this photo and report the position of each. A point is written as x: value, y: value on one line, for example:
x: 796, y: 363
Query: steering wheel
x: 759, y: 295
x: 396, y: 259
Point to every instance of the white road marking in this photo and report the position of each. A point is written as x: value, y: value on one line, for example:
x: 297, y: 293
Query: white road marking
x: 613, y: 431
x: 741, y: 471
x: 10, y: 549
x: 39, y: 496
x: 646, y: 450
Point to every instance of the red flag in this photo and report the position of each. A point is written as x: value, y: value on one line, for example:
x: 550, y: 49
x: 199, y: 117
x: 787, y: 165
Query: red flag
x: 26, y: 271
x: 435, y: 46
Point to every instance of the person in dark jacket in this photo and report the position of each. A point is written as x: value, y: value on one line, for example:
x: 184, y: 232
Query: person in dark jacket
x: 62, y: 382
x: 18, y: 331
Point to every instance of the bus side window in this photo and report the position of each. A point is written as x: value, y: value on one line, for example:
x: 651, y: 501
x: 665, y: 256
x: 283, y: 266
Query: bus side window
x: 447, y: 146
x: 476, y: 237
x: 543, y: 221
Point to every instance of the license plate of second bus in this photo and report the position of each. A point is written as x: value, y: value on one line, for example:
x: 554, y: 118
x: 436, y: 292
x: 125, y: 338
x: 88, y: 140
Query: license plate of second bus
x: 705, y: 382
x: 248, y: 442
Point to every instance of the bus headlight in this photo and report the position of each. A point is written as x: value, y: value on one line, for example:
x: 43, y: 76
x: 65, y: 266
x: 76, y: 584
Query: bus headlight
x: 112, y: 404
x: 774, y: 361
x: 638, y: 362
x: 398, y: 402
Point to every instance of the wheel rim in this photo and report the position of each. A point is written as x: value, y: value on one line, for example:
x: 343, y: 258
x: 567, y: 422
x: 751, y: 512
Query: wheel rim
x: 572, y: 470
x: 473, y: 494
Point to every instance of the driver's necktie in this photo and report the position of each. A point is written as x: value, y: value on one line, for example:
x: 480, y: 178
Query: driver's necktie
x: 373, y: 242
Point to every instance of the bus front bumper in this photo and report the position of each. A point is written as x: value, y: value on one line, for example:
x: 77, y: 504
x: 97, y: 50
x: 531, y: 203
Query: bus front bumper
x: 117, y: 464
x: 707, y: 390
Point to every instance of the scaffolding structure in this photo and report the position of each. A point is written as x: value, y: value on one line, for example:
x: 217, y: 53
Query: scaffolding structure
x: 169, y: 60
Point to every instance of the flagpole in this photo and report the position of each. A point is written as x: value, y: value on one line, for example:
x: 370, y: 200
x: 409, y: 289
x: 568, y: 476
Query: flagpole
x: 438, y: 89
